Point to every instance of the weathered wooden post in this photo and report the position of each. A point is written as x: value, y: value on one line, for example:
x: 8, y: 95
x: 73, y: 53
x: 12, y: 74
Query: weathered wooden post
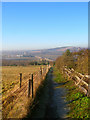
x: 47, y: 68
x: 41, y: 71
x: 32, y: 84
x: 20, y: 79
x: 29, y: 88
x: 88, y: 92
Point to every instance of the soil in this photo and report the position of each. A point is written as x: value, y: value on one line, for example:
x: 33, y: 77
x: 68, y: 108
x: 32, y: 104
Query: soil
x: 51, y: 103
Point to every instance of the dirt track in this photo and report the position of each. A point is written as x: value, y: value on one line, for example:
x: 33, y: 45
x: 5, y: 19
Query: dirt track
x: 51, y: 103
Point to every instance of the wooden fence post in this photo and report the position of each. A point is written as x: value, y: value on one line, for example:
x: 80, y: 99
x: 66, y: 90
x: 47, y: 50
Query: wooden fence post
x: 47, y: 68
x: 41, y: 71
x: 20, y: 79
x: 32, y: 85
x: 29, y: 88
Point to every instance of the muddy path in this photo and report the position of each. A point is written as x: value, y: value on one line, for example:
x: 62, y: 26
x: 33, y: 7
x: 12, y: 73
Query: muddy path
x: 51, y: 103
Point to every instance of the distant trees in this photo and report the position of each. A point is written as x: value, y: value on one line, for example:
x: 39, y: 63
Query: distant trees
x: 65, y: 60
x: 22, y: 62
x: 77, y: 60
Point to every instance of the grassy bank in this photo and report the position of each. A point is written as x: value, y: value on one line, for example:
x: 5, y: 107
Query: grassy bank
x: 15, y: 100
x: 37, y: 107
x: 77, y: 101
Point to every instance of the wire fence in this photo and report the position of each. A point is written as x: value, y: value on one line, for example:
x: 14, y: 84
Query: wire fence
x: 22, y: 93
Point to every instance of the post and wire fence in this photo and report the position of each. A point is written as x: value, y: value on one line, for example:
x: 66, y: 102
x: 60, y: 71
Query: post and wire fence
x: 25, y: 91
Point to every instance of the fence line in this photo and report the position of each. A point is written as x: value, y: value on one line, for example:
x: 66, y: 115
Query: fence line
x: 24, y: 91
x: 82, y: 81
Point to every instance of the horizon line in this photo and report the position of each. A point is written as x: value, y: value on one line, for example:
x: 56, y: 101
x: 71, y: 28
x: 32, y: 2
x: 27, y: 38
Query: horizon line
x: 41, y: 48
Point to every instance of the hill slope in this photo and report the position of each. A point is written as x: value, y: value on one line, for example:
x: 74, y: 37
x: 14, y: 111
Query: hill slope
x: 52, y: 53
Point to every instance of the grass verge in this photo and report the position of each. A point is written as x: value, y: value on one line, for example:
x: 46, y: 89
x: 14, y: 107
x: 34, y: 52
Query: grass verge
x: 37, y: 107
x: 77, y: 101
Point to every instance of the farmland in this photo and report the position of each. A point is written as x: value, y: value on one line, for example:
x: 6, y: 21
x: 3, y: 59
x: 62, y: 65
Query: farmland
x: 46, y: 87
x: 17, y: 95
x: 10, y: 75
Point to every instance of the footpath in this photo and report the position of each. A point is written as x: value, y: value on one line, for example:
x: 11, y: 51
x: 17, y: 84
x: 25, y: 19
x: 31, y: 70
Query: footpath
x: 50, y: 103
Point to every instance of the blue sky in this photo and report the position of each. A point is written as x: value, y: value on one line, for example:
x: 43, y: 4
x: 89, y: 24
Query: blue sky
x: 44, y: 25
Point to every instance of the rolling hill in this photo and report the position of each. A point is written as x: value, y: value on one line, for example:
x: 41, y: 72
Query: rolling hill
x: 50, y: 54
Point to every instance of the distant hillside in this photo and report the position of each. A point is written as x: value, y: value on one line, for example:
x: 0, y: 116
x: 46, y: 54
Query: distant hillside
x: 51, y: 54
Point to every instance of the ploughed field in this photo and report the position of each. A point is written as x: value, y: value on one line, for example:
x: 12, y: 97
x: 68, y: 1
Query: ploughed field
x: 11, y: 76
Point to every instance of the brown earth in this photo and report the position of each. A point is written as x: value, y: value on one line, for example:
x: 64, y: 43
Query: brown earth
x: 51, y: 103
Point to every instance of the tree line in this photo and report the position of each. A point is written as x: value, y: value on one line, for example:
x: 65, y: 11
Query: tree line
x: 23, y: 62
x: 76, y: 60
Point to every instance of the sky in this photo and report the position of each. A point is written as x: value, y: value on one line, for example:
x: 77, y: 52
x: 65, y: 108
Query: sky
x: 45, y: 0
x: 36, y: 25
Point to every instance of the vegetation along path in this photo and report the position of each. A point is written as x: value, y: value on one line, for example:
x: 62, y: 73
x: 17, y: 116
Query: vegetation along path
x: 50, y: 101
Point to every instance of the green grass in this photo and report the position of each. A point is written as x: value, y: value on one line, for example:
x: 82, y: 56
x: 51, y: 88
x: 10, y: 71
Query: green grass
x: 58, y: 77
x: 77, y: 101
